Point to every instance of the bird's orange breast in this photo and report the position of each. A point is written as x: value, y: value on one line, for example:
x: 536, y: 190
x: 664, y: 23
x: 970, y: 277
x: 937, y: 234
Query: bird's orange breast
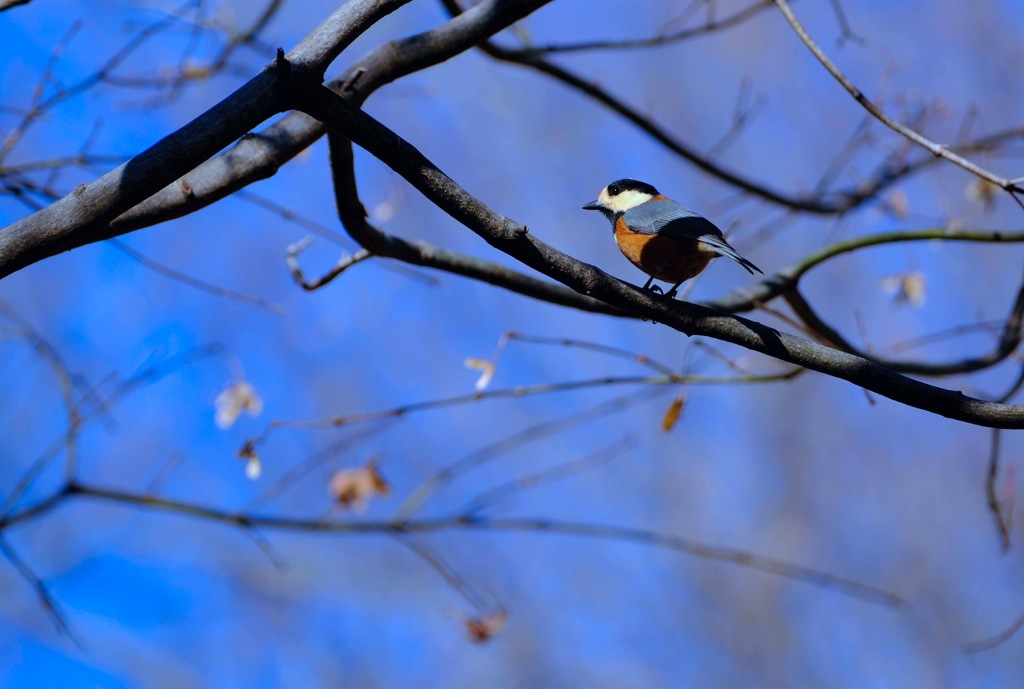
x: 670, y: 259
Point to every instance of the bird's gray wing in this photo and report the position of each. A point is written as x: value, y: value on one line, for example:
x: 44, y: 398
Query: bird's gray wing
x: 670, y: 218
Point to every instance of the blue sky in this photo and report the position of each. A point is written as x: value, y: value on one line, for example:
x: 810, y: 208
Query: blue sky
x: 812, y: 471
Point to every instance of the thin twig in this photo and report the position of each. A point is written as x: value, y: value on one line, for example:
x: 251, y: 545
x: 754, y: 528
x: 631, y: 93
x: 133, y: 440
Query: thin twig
x: 844, y: 25
x: 618, y: 352
x: 123, y: 388
x: 551, y: 475
x: 1001, y: 513
x: 344, y: 263
x: 1002, y: 520
x: 455, y: 580
x: 997, y: 640
x: 291, y: 216
x: 739, y: 558
x: 65, y: 378
x: 525, y: 391
x: 709, y: 26
x: 938, y: 150
x: 990, y: 326
x: 49, y: 603
x: 196, y: 283
x: 422, y: 493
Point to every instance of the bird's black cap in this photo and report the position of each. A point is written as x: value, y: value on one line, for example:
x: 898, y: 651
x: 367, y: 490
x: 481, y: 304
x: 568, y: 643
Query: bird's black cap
x: 627, y: 184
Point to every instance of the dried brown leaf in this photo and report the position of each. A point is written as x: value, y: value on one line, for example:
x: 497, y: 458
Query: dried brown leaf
x: 672, y: 414
x: 480, y: 629
x: 353, y: 488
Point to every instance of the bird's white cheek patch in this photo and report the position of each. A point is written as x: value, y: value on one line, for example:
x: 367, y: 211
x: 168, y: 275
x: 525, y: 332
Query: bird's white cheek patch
x: 707, y: 248
x: 625, y: 200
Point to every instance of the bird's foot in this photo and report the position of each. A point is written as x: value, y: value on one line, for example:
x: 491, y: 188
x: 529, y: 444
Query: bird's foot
x: 653, y: 289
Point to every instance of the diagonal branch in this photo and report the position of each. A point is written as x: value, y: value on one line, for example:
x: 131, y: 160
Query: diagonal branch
x: 838, y: 201
x: 421, y: 253
x: 786, y: 282
x: 1013, y: 186
x: 84, y: 215
x: 258, y: 156
x: 514, y: 239
x: 1006, y: 346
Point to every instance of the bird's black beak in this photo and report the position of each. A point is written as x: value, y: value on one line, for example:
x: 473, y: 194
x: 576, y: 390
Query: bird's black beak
x: 594, y: 206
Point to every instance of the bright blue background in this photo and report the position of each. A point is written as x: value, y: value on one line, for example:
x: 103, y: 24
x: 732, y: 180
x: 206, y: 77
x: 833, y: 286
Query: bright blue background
x: 810, y: 471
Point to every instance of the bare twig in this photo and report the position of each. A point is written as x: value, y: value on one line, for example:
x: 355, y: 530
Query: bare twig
x: 556, y: 473
x: 291, y: 216
x: 99, y: 406
x: 775, y: 285
x: 847, y: 33
x: 838, y: 201
x: 990, y: 326
x: 739, y: 558
x: 524, y: 391
x: 49, y: 603
x: 1002, y: 520
x: 198, y: 284
x: 616, y: 352
x: 344, y: 263
x: 455, y: 580
x: 997, y: 640
x: 65, y: 378
x: 419, y: 496
x: 711, y: 25
x: 1007, y: 344
x: 1001, y: 512
x: 743, y: 115
x: 1010, y: 185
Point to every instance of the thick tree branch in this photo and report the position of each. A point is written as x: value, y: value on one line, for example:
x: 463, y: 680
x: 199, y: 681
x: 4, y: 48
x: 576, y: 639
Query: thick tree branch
x: 259, y: 156
x: 1007, y: 344
x: 785, y: 283
x: 512, y: 238
x: 84, y: 215
x: 8, y: 4
x: 420, y: 253
x: 383, y: 66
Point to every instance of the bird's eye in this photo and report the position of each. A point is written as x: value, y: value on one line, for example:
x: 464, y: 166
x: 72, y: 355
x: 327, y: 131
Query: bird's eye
x: 614, y: 190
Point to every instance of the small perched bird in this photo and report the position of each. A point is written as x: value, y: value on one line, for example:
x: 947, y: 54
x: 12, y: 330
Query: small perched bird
x: 659, y: 236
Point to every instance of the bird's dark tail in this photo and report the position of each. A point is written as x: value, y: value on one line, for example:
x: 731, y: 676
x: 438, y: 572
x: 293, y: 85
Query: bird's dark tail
x: 751, y: 268
x: 725, y: 249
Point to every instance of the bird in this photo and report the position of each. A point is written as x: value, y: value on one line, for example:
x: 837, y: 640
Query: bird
x: 661, y: 237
